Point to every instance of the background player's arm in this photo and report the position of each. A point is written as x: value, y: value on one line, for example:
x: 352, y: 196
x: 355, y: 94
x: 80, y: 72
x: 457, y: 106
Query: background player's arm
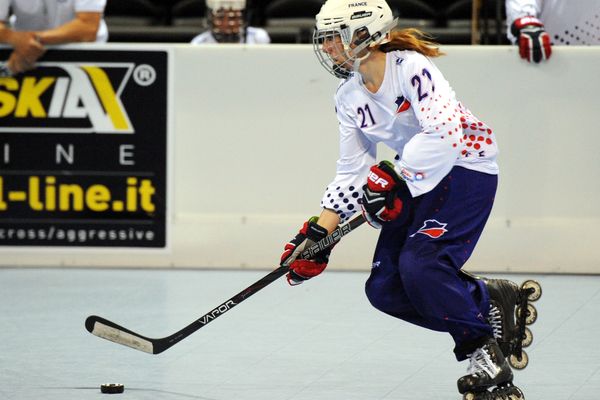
x: 520, y: 8
x: 23, y: 42
x: 27, y: 48
x: 83, y: 28
x: 527, y: 31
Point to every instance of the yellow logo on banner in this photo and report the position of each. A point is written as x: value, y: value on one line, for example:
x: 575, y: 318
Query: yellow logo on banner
x: 86, y: 93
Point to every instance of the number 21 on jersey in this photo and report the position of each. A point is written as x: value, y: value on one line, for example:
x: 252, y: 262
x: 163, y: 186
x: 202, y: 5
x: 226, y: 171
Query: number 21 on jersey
x: 365, y: 116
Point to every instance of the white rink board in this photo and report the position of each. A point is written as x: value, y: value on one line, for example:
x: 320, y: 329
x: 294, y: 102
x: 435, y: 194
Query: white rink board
x: 256, y: 143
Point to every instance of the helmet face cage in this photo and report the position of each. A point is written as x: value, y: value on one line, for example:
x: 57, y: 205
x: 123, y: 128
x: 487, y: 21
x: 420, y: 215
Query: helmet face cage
x: 336, y: 39
x: 227, y: 20
x: 339, y: 40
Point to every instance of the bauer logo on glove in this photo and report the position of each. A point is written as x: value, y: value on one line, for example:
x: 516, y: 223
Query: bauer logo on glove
x: 377, y: 180
x: 381, y: 201
x: 302, y: 269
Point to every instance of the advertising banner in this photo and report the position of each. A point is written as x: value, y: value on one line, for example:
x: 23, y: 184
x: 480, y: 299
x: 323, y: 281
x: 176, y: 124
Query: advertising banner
x: 83, y: 150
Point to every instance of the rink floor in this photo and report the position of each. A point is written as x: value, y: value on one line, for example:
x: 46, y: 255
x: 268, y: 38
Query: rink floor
x: 319, y: 341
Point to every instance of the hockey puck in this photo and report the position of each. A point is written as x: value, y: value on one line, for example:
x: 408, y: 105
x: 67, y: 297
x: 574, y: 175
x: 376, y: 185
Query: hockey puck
x: 112, y: 388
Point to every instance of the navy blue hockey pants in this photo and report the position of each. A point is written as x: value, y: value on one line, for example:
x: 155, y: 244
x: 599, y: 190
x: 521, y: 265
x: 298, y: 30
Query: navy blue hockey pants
x: 415, y: 274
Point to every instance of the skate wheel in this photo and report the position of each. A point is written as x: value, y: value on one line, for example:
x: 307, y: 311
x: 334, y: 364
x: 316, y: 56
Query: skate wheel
x: 518, y: 395
x: 469, y: 396
x: 530, y: 316
x: 527, y: 338
x: 506, y: 391
x: 519, y: 364
x: 514, y: 393
x: 536, y: 292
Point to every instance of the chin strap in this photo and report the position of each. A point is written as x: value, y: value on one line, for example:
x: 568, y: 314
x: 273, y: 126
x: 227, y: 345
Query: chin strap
x: 376, y: 38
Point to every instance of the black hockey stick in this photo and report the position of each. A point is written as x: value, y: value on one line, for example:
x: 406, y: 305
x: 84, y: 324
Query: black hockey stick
x: 115, y: 333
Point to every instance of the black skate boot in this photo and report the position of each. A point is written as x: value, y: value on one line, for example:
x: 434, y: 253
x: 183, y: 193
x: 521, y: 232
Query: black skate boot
x: 506, y: 316
x: 489, y: 376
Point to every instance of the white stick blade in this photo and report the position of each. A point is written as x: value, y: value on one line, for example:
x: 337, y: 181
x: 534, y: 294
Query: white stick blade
x: 124, y: 338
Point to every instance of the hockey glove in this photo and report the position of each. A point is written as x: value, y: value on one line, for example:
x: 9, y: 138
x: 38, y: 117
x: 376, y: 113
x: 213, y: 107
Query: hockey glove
x: 380, y: 201
x: 301, y: 269
x: 533, y: 40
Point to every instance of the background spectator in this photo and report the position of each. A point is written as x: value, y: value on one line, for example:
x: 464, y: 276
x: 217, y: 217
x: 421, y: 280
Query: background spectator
x: 29, y: 25
x: 228, y: 23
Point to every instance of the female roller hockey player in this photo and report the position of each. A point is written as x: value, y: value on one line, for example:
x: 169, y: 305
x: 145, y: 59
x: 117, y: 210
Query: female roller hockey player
x: 431, y: 203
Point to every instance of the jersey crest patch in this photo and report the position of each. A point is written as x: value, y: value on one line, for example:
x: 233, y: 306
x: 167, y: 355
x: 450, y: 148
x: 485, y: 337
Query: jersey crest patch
x: 402, y: 104
x: 432, y: 228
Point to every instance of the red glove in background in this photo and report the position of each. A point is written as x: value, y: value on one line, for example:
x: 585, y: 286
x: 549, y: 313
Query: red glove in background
x: 533, y: 40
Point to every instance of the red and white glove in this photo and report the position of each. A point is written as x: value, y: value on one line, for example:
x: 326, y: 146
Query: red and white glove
x: 301, y: 269
x: 380, y: 201
x: 533, y: 40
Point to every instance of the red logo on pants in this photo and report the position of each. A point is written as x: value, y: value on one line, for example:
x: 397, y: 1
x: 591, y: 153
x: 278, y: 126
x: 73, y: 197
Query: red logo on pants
x: 432, y: 228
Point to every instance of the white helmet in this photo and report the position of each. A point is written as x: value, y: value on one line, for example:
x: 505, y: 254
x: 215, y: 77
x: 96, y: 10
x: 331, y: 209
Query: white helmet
x: 227, y: 20
x: 358, y: 22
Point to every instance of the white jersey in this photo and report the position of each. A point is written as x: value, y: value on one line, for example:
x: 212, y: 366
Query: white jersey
x: 575, y: 22
x: 253, y: 36
x: 39, y: 15
x: 415, y: 113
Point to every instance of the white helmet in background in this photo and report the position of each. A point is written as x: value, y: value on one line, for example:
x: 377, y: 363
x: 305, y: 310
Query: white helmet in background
x: 360, y: 23
x: 227, y: 20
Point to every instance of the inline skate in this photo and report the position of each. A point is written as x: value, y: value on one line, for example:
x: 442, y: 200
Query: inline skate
x: 510, y: 313
x: 489, y: 376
